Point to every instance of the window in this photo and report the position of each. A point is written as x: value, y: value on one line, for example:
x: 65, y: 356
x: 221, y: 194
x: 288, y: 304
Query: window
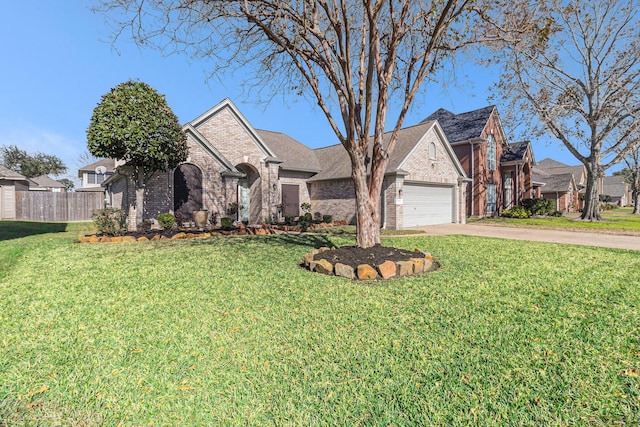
x: 491, y: 153
x: 432, y: 151
x: 491, y: 198
x: 95, y: 178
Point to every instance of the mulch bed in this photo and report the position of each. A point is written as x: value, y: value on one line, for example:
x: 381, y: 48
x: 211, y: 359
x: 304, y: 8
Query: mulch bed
x: 353, y: 256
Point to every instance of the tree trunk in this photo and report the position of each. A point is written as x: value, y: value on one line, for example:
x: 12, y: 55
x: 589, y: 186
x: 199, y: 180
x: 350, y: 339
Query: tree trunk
x: 634, y: 197
x: 591, y: 211
x: 367, y: 215
x: 139, y: 197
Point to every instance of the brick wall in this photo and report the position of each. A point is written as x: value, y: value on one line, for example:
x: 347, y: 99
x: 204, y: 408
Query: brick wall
x: 336, y: 198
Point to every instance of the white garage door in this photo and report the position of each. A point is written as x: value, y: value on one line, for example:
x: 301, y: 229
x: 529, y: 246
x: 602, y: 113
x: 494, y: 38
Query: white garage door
x: 427, y: 205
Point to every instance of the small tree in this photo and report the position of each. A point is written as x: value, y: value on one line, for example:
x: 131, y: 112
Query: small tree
x: 134, y: 123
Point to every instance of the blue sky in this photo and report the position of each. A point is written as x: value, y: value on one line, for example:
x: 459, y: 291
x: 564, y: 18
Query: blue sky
x: 58, y: 62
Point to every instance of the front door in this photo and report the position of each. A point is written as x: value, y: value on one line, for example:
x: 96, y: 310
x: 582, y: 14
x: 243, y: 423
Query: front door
x: 290, y: 200
x: 243, y: 200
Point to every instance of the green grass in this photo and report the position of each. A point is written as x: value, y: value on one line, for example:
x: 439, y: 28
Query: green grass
x: 615, y: 220
x: 350, y: 230
x: 228, y: 331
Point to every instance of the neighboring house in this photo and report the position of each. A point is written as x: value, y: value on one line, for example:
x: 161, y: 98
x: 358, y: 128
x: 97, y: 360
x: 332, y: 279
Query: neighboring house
x: 561, y: 188
x: 501, y: 173
x: 617, y: 189
x: 10, y: 182
x: 547, y: 168
x: 46, y: 183
x: 236, y: 170
x: 92, y: 176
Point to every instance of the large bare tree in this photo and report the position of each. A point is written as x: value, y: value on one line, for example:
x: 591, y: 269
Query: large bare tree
x: 356, y: 59
x: 632, y: 175
x: 579, y: 76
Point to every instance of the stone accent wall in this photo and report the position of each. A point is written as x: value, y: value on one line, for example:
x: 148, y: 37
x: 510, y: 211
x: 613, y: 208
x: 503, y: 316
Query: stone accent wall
x: 335, y: 198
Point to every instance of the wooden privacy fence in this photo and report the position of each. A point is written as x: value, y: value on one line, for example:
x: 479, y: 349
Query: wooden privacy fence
x: 43, y: 206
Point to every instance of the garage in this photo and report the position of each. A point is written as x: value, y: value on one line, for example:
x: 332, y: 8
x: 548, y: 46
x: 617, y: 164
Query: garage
x: 427, y: 204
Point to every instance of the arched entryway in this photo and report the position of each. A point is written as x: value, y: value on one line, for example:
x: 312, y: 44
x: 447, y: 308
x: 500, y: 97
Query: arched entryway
x: 187, y: 190
x: 249, y: 195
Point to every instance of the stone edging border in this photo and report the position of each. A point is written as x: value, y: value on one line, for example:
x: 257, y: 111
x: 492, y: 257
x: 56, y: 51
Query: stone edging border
x: 422, y: 263
x: 209, y: 232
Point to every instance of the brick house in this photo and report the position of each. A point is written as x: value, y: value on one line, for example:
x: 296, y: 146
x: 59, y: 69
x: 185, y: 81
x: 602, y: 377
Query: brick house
x: 236, y: 170
x: 501, y: 173
x: 563, y: 184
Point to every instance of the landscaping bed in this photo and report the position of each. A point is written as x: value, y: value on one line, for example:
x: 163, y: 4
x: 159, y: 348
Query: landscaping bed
x: 178, y: 233
x: 377, y: 262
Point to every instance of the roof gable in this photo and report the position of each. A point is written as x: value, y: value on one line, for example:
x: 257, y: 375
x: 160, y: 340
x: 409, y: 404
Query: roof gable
x: 208, y: 147
x: 8, y: 174
x: 517, y: 152
x: 464, y: 126
x: 228, y: 105
x: 335, y: 162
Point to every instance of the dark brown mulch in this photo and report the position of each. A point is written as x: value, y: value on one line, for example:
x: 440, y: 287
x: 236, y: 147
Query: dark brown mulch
x: 354, y: 256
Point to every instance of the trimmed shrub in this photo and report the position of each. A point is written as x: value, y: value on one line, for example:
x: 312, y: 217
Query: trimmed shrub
x: 516, y: 212
x: 166, y: 220
x: 110, y: 221
x: 327, y: 218
x: 303, y: 224
x: 288, y: 219
x: 307, y: 217
x: 226, y: 222
x: 539, y: 206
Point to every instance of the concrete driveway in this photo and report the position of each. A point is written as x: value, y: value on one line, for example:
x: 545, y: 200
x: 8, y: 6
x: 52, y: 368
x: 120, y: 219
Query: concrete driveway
x: 538, y: 235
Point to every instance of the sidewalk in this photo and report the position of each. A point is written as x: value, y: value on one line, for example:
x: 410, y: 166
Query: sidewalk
x: 538, y: 235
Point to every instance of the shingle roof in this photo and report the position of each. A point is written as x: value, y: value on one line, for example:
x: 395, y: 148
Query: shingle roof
x: 295, y: 156
x: 335, y: 162
x: 464, y: 126
x: 614, y: 186
x: 8, y: 174
x: 555, y: 183
x: 46, y: 181
x: 553, y: 167
x: 110, y: 164
x: 515, y: 151
x: 548, y: 163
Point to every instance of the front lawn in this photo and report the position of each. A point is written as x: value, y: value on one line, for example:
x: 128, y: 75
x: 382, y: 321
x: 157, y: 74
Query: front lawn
x: 229, y: 331
x: 617, y: 220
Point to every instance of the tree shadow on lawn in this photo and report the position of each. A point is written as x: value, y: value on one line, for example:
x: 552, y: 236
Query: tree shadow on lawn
x: 302, y: 239
x: 17, y: 229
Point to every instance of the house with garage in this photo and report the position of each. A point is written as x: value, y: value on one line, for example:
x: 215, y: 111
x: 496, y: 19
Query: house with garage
x: 500, y: 173
x: 253, y: 175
